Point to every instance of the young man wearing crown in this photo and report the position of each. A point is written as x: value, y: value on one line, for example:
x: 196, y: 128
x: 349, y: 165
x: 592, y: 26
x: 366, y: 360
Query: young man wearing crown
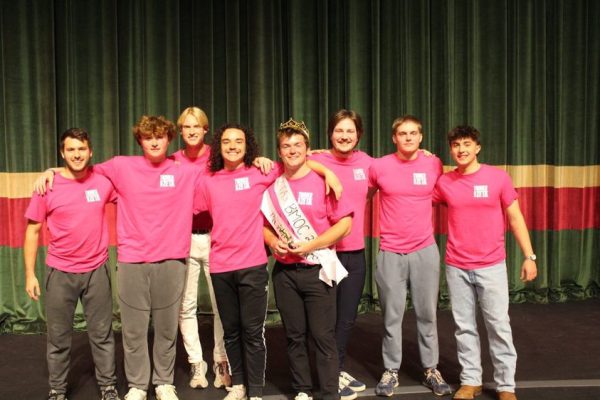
x: 304, y: 223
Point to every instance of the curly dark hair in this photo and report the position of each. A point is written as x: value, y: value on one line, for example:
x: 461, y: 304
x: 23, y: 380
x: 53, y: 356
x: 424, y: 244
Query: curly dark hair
x: 216, y: 162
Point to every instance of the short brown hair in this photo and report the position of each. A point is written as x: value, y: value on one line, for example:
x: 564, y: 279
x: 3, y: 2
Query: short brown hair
x: 406, y: 118
x: 153, y: 126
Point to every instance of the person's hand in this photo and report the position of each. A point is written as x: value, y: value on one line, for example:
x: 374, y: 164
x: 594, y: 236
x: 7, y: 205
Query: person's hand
x: 333, y: 183
x: 32, y: 287
x: 301, y: 248
x: 528, y: 270
x: 264, y: 164
x: 280, y: 248
x: 44, y: 182
x: 426, y: 152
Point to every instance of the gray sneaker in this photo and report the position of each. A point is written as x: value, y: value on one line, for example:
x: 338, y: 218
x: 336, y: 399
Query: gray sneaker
x: 387, y: 383
x: 54, y: 395
x: 109, y: 393
x: 434, y: 381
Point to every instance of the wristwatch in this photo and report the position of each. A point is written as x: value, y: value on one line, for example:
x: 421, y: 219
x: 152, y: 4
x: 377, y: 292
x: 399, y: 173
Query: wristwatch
x: 531, y: 257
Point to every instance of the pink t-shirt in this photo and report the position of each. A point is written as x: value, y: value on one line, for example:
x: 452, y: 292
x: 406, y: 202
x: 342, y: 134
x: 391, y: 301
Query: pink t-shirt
x: 476, y: 223
x: 155, y: 207
x: 202, y: 221
x: 233, y: 200
x: 405, y: 190
x: 321, y: 211
x: 74, y: 211
x: 353, y: 172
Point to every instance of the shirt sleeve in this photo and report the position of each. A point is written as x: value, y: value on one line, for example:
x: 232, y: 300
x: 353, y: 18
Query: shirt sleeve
x: 107, y: 168
x: 37, y: 209
x: 508, y: 194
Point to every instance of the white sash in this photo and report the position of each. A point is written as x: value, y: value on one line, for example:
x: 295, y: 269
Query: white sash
x: 332, y: 269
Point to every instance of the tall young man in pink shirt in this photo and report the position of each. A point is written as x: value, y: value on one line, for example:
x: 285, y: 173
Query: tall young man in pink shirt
x: 154, y: 221
x: 408, y: 253
x: 313, y: 221
x: 479, y: 197
x: 77, y: 269
x: 193, y: 125
x: 352, y: 168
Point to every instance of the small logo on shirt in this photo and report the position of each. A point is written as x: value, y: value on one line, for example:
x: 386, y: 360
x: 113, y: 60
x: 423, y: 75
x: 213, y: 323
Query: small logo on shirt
x: 92, y: 196
x: 480, y: 191
x: 419, y: 178
x: 167, y: 181
x: 305, y: 198
x: 359, y: 174
x: 242, y: 183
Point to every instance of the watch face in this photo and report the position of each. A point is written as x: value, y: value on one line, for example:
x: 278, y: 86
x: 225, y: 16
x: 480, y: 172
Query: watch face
x: 532, y: 257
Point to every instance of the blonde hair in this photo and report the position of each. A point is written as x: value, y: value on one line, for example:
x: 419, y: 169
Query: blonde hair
x: 198, y: 113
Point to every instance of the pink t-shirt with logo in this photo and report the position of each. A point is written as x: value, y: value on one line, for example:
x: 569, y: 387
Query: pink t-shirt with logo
x: 322, y: 211
x: 154, y: 209
x: 405, y: 190
x: 202, y: 221
x: 233, y: 200
x: 476, y: 222
x: 353, y: 172
x: 74, y: 211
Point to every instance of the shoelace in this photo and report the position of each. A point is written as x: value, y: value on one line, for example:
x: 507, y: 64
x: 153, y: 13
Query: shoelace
x: 388, y: 376
x: 110, y: 393
x: 435, y: 375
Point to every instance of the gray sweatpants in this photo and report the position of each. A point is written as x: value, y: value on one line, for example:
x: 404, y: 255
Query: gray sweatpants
x: 419, y: 270
x: 63, y: 290
x: 150, y: 289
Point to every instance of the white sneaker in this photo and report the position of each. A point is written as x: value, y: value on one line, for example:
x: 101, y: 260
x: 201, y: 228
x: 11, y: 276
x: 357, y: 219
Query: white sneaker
x: 135, y: 394
x: 198, y: 375
x: 255, y: 398
x: 303, y: 396
x: 166, y: 392
x: 237, y: 392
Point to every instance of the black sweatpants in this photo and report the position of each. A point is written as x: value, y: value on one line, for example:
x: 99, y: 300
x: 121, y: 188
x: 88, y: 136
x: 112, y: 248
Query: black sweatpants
x: 303, y: 299
x: 242, y: 298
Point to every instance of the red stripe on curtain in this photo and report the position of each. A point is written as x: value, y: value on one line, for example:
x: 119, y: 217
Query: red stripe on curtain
x: 12, y: 229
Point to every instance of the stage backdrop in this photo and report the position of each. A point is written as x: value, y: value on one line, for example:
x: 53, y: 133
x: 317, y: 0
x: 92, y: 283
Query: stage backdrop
x: 526, y: 73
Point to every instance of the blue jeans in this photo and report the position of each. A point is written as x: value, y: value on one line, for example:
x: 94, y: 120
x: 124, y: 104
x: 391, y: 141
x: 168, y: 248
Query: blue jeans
x: 487, y: 287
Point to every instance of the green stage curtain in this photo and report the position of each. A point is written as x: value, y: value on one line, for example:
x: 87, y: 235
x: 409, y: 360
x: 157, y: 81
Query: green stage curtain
x: 525, y: 72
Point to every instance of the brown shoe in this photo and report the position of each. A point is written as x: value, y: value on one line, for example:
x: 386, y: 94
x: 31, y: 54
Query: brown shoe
x: 467, y: 392
x: 506, y: 396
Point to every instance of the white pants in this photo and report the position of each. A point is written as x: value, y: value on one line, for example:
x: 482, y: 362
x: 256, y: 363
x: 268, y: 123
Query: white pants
x: 188, y: 319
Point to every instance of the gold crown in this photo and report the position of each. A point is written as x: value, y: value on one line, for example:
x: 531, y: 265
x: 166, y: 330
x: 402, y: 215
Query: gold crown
x: 297, y: 125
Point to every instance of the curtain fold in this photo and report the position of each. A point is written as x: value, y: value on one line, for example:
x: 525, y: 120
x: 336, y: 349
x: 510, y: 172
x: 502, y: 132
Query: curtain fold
x: 525, y: 72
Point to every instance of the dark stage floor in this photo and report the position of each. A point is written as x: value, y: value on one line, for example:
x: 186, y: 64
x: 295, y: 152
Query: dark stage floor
x: 558, y: 347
